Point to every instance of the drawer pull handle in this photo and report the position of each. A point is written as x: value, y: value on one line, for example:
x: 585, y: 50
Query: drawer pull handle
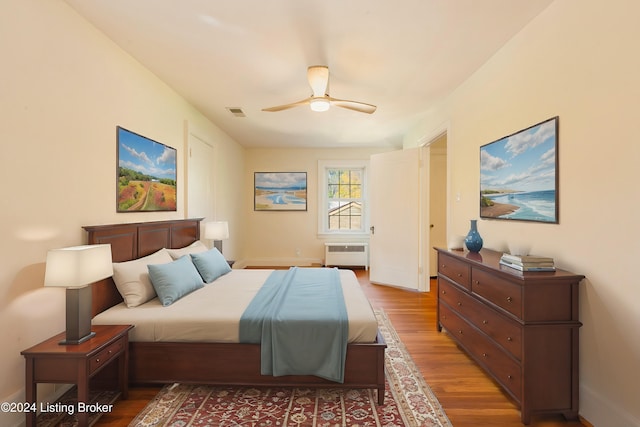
x: 509, y: 299
x: 460, y: 331
x: 459, y: 274
x: 459, y: 304
x: 484, y: 322
x: 484, y: 354
x: 97, y: 360
x: 509, y: 376
x: 476, y: 282
x: 509, y: 339
x: 444, y: 292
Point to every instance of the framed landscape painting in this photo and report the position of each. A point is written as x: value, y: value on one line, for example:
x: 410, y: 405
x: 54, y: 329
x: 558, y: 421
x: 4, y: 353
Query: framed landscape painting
x: 146, y: 179
x: 519, y: 175
x: 280, y: 191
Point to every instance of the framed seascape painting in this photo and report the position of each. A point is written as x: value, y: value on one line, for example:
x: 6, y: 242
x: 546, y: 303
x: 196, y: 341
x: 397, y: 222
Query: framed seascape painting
x: 146, y: 179
x: 280, y: 191
x: 519, y: 175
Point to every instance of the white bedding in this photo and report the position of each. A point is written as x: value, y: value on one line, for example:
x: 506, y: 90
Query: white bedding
x: 212, y: 314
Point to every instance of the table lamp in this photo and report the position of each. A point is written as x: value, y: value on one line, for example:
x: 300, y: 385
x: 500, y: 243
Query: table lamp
x: 216, y: 231
x: 75, y: 268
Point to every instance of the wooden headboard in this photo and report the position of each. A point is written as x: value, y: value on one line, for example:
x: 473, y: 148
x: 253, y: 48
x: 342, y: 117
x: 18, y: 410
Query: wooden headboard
x: 132, y: 241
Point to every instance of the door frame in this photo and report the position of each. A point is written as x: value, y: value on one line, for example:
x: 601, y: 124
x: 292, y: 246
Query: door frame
x: 426, y: 246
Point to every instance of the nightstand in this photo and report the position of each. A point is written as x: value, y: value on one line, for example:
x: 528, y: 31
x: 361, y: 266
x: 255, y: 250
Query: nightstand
x: 50, y: 362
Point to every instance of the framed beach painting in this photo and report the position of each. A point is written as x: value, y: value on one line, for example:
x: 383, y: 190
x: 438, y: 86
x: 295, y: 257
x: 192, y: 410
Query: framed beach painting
x: 519, y: 175
x: 146, y: 177
x: 280, y: 191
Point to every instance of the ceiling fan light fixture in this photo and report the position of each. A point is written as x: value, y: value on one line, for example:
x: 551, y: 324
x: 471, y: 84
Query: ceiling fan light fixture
x: 320, y: 100
x: 319, y: 104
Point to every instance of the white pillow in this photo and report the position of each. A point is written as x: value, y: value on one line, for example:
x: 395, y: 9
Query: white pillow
x: 132, y: 277
x: 194, y: 248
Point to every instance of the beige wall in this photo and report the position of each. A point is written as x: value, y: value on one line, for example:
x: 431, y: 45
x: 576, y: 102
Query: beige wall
x: 578, y: 60
x: 63, y: 90
x: 273, y: 238
x: 65, y: 87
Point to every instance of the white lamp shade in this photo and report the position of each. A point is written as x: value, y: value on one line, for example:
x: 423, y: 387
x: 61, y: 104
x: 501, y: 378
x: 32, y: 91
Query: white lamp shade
x: 78, y: 266
x: 216, y: 230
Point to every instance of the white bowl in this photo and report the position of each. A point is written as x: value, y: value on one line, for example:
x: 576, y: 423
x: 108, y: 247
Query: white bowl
x: 519, y: 249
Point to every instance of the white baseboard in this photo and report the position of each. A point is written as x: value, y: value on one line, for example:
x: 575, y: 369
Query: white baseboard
x: 600, y: 411
x: 278, y: 262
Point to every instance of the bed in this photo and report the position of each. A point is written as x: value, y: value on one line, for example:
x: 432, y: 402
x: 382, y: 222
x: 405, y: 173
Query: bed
x: 164, y: 357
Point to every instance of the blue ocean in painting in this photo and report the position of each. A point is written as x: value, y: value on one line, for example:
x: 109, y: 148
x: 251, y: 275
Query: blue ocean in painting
x: 283, y: 198
x: 533, y: 205
x: 283, y: 195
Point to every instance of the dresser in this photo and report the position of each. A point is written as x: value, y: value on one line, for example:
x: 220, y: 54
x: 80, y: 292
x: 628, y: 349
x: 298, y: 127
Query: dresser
x: 521, y: 328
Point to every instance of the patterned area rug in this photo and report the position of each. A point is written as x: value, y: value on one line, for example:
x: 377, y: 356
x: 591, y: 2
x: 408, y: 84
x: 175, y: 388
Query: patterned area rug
x: 409, y: 402
x: 63, y: 413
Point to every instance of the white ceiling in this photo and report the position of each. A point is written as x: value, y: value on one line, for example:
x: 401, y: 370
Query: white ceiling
x: 403, y: 56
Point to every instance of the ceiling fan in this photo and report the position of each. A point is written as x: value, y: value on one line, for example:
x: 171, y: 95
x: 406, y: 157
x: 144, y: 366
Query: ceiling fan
x: 318, y: 76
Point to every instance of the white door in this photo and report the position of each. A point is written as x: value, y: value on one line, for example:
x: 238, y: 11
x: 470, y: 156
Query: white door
x: 395, y: 218
x: 200, y: 179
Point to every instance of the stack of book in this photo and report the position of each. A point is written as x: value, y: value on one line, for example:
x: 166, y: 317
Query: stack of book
x: 528, y: 262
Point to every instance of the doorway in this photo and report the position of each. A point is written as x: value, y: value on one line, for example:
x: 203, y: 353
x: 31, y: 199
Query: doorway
x: 437, y: 200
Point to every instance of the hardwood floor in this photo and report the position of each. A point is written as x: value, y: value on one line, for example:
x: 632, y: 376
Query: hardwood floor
x: 469, y: 397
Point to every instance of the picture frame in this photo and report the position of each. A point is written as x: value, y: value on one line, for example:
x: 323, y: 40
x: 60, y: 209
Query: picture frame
x: 519, y: 175
x: 280, y: 191
x: 146, y: 174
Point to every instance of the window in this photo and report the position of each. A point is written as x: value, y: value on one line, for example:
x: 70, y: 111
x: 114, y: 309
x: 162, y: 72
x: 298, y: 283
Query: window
x: 343, y: 204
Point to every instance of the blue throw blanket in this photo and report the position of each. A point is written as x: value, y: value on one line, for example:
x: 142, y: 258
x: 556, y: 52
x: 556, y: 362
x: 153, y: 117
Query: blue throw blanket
x: 300, y: 318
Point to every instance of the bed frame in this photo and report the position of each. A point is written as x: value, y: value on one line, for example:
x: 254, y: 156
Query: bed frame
x: 209, y: 363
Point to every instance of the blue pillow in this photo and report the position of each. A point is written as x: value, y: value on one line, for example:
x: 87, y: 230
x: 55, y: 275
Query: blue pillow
x: 174, y: 280
x: 210, y: 264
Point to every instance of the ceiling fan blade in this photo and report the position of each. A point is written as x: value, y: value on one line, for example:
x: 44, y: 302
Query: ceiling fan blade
x: 287, y: 106
x: 318, y: 76
x: 353, y: 105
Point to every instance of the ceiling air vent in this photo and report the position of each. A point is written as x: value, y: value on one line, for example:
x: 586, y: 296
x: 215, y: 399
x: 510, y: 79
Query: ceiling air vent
x: 236, y: 111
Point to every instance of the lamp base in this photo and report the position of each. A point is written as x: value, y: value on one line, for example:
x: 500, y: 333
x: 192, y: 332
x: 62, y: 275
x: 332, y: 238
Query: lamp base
x: 78, y: 316
x: 81, y: 340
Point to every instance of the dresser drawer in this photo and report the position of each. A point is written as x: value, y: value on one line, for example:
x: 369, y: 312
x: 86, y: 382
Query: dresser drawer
x: 498, y: 291
x: 104, y: 356
x: 454, y: 269
x: 459, y: 330
x: 505, y: 332
x: 452, y: 295
x: 502, y: 367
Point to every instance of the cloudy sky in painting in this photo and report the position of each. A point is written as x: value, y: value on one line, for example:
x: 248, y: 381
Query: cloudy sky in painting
x: 145, y: 155
x: 525, y: 161
x: 297, y: 180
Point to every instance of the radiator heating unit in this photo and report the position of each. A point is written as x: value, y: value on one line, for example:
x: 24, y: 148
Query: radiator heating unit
x: 346, y: 255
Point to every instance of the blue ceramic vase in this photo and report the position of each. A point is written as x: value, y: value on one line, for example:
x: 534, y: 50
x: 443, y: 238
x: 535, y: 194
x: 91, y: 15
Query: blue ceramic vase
x: 473, y: 241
